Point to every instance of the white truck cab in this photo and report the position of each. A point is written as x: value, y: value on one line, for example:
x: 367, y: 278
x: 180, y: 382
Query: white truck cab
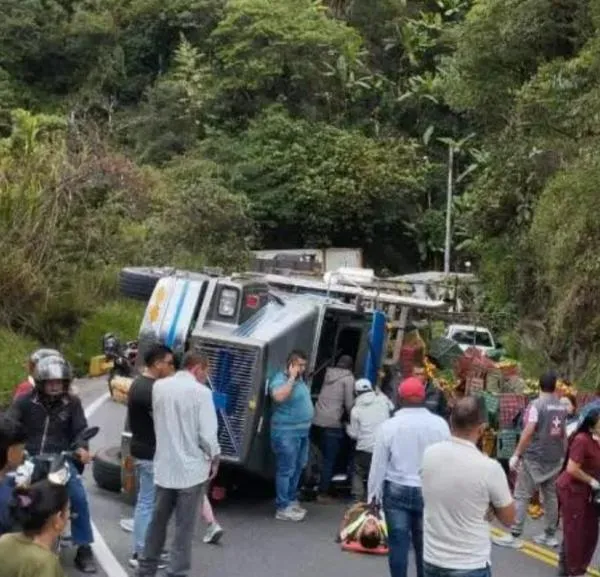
x: 467, y: 336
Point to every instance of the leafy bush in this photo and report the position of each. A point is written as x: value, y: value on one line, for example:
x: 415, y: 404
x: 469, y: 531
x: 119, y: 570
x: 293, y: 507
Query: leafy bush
x: 122, y: 318
x: 64, y: 197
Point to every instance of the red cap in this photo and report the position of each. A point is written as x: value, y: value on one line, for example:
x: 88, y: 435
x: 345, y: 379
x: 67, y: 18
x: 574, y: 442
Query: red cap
x: 411, y: 388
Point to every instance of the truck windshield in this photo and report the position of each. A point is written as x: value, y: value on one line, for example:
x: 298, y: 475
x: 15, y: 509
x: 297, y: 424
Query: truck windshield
x: 477, y: 338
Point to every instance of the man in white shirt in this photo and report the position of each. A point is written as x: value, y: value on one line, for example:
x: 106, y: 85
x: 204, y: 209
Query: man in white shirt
x: 462, y: 489
x: 394, y: 478
x: 186, y: 458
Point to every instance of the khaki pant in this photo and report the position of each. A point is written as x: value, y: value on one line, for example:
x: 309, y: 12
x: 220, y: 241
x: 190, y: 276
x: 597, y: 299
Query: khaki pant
x: 525, y: 488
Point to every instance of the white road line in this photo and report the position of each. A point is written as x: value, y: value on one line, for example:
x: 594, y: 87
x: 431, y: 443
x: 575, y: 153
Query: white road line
x: 95, y: 405
x: 106, y: 558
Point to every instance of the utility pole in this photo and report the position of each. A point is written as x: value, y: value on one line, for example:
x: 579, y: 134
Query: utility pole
x: 449, y: 209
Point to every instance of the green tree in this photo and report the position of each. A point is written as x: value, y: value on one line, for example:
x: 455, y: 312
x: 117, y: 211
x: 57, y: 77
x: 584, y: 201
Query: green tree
x: 500, y: 46
x: 311, y: 184
x: 289, y: 51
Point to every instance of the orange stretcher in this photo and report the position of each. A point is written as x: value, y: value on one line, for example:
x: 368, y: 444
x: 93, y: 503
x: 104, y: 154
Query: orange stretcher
x: 349, y: 543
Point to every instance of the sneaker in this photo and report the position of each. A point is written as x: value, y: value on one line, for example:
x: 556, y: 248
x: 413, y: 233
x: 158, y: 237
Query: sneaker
x: 546, y: 540
x: 134, y: 561
x: 84, y: 560
x: 289, y: 514
x: 507, y: 541
x: 297, y: 507
x: 126, y: 525
x: 213, y: 534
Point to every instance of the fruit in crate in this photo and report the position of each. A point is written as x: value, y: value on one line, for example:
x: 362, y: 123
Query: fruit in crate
x: 563, y: 387
x: 535, y: 511
x: 430, y: 370
x: 507, y: 363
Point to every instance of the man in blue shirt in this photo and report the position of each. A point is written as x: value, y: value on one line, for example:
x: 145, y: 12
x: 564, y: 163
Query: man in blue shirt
x: 12, y: 447
x: 290, y: 425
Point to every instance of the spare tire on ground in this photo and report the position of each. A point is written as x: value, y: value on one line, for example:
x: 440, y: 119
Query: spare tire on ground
x: 106, y: 469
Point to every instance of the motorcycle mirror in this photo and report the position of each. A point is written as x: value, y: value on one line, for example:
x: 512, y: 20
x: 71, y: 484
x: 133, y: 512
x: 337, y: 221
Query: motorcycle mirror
x: 90, y: 433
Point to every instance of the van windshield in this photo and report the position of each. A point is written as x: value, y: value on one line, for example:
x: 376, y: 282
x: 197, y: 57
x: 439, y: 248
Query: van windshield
x: 477, y: 338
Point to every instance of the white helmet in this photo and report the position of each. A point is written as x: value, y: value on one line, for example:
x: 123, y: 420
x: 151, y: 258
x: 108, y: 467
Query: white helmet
x: 362, y: 386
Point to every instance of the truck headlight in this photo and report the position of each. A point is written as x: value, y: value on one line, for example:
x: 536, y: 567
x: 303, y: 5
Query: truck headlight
x: 228, y: 302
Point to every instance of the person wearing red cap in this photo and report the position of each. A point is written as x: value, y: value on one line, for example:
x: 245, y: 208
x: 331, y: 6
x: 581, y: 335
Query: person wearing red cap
x: 394, y: 477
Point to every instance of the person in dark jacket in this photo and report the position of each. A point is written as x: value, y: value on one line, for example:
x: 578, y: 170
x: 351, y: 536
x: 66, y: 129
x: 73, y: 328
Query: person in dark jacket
x: 435, y: 400
x: 12, y: 446
x: 159, y: 363
x: 27, y: 385
x: 54, y: 421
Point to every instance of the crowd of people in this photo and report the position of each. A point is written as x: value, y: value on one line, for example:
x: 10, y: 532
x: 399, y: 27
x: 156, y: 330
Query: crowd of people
x: 419, y: 478
x: 436, y: 488
x: 174, y: 441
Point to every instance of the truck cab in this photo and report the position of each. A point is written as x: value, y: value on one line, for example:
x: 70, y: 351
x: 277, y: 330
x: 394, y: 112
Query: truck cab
x: 247, y: 326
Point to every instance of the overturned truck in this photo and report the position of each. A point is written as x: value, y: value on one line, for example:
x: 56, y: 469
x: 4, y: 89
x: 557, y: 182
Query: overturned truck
x: 247, y: 324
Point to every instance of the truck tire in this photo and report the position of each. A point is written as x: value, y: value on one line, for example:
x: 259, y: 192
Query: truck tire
x: 106, y: 469
x: 139, y: 282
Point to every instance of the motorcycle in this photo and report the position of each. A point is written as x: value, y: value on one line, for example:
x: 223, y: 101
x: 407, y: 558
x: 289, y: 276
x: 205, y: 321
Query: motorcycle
x: 122, y: 357
x: 54, y: 467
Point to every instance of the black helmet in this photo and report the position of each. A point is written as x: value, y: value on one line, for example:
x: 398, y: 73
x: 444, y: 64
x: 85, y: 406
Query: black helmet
x: 52, y: 368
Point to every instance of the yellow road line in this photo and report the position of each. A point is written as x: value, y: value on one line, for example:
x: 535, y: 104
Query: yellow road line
x: 540, y: 553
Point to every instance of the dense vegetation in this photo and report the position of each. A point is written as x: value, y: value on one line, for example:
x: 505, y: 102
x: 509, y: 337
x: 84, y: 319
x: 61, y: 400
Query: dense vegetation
x: 190, y: 131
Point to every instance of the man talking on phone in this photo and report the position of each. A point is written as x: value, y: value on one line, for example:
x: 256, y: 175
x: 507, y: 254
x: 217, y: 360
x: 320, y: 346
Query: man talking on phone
x: 291, y: 418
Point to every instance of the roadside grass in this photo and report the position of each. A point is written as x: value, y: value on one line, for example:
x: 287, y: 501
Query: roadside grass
x: 121, y: 317
x: 15, y: 349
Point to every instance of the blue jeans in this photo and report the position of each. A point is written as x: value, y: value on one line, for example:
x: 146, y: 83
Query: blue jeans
x: 433, y: 571
x: 81, y: 523
x: 403, y: 509
x: 291, y: 456
x: 144, y: 505
x: 331, y: 444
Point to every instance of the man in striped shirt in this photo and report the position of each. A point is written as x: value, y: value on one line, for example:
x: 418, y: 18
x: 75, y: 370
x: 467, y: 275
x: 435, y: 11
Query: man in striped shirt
x: 186, y: 459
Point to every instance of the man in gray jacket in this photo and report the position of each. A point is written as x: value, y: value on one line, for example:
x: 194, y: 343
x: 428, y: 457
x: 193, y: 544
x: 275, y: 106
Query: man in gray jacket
x: 369, y: 411
x: 332, y: 411
x: 538, y: 460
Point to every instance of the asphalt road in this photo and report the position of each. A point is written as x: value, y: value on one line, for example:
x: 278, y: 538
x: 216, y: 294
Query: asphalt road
x: 255, y: 545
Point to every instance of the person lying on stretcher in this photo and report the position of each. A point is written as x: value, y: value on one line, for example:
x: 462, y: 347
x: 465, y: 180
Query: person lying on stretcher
x: 363, y: 530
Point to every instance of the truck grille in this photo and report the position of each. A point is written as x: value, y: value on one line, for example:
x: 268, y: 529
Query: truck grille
x: 232, y: 374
